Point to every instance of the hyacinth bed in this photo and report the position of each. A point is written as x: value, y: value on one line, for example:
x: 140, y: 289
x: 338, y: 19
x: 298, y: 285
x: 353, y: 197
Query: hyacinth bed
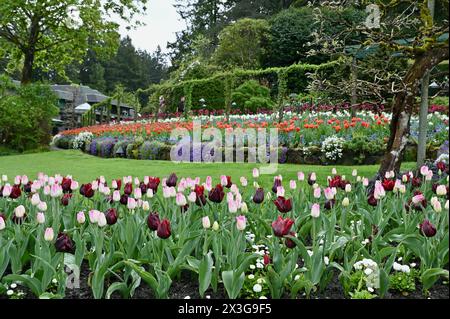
x: 226, y: 237
x: 310, y: 137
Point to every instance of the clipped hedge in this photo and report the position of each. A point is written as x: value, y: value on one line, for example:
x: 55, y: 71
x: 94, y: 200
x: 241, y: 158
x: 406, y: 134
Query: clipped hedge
x: 216, y: 89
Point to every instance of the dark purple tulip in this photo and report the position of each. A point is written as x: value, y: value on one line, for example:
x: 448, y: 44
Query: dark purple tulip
x: 216, y: 194
x: 172, y: 180
x: 64, y: 244
x: 185, y: 208
x: 124, y: 199
x: 111, y: 216
x: 258, y: 198
x: 143, y: 188
x: 276, y: 184
x: 164, y: 229
x: 200, y: 200
x: 289, y: 242
x: 372, y: 201
x: 153, y: 221
x: 27, y: 187
x: 329, y: 204
x: 427, y: 228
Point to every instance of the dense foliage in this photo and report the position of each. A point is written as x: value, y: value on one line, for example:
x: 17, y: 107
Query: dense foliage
x: 26, y: 113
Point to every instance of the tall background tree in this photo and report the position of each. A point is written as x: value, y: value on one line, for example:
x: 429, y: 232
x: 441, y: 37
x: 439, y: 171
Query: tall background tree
x: 53, y: 33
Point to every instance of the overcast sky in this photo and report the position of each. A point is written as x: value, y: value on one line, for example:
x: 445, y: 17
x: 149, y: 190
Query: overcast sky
x: 162, y: 22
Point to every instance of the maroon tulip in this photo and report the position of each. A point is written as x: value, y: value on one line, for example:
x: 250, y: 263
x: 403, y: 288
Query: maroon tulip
x: 258, y: 198
x: 229, y: 182
x: 128, y: 189
x: 282, y: 226
x: 416, y: 182
x: 86, y: 190
x: 64, y: 244
x: 153, y: 183
x: 337, y: 182
x: 119, y: 184
x: 442, y: 166
x: 172, y: 180
x: 200, y: 199
x: 124, y: 199
x: 163, y: 230
x: 284, y: 205
x: 427, y: 228
x: 153, y: 221
x: 266, y: 259
x: 65, y: 184
x: 372, y: 200
x: 111, y: 216
x: 289, y: 242
x: 276, y: 184
x: 216, y: 195
x: 185, y: 208
x: 66, y: 199
x: 15, y: 192
x: 388, y: 184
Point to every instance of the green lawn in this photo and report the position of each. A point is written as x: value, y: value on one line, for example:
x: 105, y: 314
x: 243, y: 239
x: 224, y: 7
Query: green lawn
x: 85, y: 168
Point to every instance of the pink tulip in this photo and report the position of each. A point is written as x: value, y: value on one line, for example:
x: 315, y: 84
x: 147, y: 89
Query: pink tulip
x: 116, y: 196
x: 301, y: 176
x: 206, y: 223
x: 232, y: 206
x: 81, y: 218
x: 40, y: 218
x: 243, y: 181
x: 315, y: 210
x: 49, y: 234
x: 2, y: 223
x: 42, y: 206
x: 379, y: 191
x: 93, y: 216
x: 6, y: 190
x: 255, y: 173
x: 181, y: 200
x: 424, y: 170
x: 131, y: 203
x: 241, y: 223
x: 329, y: 194
x: 317, y: 192
x: 280, y: 191
x: 293, y: 185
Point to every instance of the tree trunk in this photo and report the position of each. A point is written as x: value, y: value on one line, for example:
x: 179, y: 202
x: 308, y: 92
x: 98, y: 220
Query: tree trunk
x: 423, y: 115
x: 423, y: 122
x: 354, y: 77
x: 29, y: 51
x: 403, y: 106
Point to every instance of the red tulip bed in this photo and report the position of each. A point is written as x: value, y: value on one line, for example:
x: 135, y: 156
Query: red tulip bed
x: 226, y: 237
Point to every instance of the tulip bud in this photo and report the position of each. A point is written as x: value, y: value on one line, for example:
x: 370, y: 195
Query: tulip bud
x: 446, y: 205
x: 345, y: 202
x: 437, y: 206
x: 42, y: 206
x: 192, y: 197
x: 2, y: 223
x: 163, y: 230
x: 35, y: 200
x: 40, y: 217
x: 181, y: 199
x: 255, y: 173
x: 215, y: 226
x: 19, y: 211
x: 315, y: 210
x: 348, y: 188
x: 49, y: 234
x: 244, y: 208
x: 243, y: 181
x: 354, y: 173
x: 300, y: 176
x: 145, y: 206
x: 4, y: 178
x: 102, y: 222
x: 441, y: 190
x: 365, y: 182
x: 358, y: 179
x: 131, y: 203
x: 81, y: 218
x: 317, y: 192
x: 206, y: 222
x: 241, y: 222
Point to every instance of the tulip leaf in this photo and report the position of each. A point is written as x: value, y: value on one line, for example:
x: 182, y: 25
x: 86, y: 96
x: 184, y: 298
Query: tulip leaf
x: 430, y: 276
x: 205, y: 273
x: 116, y: 286
x: 32, y: 283
x: 233, y: 282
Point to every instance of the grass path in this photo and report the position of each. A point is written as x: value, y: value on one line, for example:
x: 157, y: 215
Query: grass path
x: 85, y: 168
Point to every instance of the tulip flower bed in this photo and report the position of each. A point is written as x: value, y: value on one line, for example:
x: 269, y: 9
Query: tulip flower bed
x: 311, y: 138
x: 226, y: 237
